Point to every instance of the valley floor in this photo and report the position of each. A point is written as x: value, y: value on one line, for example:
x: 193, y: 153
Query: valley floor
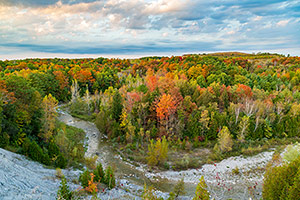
x: 235, y: 177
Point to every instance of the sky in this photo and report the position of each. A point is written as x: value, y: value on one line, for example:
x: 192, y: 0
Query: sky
x: 133, y: 28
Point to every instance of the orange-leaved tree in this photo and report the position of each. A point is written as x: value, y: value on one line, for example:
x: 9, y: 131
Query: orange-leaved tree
x: 151, y: 80
x: 165, y: 110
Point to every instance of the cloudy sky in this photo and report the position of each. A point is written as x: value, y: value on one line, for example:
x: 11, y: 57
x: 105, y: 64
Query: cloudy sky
x: 89, y: 28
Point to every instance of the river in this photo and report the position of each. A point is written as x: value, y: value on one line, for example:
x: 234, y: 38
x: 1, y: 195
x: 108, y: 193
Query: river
x: 21, y: 178
x: 222, y: 183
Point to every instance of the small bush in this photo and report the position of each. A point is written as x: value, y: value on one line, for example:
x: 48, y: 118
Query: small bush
x: 92, y: 187
x: 25, y: 146
x: 282, y: 181
x: 84, y: 178
x: 110, y: 180
x: 149, y: 194
x: 56, y: 156
x: 292, y: 152
x: 179, y: 188
x: 236, y: 171
x: 61, y: 161
x: 53, y: 150
x: 64, y: 192
x: 99, y: 173
x: 4, y: 140
x: 35, y: 152
x: 45, y: 159
x: 294, y: 190
x: 88, y: 179
x: 201, y: 191
x: 251, y: 150
x: 79, y: 107
x: 59, y: 173
x: 91, y: 162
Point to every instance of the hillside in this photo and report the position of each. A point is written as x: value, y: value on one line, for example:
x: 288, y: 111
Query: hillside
x: 154, y: 115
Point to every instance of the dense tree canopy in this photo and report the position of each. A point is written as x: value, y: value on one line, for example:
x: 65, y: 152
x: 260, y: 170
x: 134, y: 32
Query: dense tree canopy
x: 254, y: 96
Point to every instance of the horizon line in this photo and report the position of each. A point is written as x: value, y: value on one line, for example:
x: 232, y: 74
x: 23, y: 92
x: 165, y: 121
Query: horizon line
x: 42, y: 55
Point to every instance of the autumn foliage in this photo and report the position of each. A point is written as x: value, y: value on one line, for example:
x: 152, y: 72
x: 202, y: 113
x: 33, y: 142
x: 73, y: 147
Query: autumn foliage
x: 165, y: 107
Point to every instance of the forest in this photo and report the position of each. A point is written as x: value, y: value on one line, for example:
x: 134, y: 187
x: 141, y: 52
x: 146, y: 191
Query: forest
x: 152, y: 107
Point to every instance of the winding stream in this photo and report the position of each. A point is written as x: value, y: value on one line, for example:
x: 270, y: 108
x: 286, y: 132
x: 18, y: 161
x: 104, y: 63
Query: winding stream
x: 222, y: 183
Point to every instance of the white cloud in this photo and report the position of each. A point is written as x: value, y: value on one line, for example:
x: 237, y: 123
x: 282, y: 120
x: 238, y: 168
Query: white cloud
x: 283, y: 22
x: 144, y: 22
x: 165, y: 34
x: 257, y: 18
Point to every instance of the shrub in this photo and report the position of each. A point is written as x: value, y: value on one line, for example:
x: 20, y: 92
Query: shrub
x: 92, y: 187
x: 59, y: 173
x: 99, y: 173
x: 54, y: 153
x: 109, y: 178
x: 103, y: 121
x: 45, y: 159
x: 25, y: 146
x: 201, y: 191
x: 149, y: 194
x: 64, y: 192
x: 235, y: 171
x: 35, y: 152
x: 282, y: 181
x: 4, y: 140
x: 171, y: 196
x: 53, y: 150
x: 91, y: 162
x: 292, y: 152
x: 79, y: 107
x: 61, y: 161
x: 179, y: 188
x: 84, y: 178
x: 294, y: 190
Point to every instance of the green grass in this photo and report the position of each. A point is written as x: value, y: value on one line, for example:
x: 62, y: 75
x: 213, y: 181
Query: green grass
x: 74, y: 146
x: 90, y: 118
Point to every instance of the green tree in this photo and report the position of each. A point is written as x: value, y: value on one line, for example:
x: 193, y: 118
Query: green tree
x: 45, y: 83
x: 117, y: 106
x: 64, y: 192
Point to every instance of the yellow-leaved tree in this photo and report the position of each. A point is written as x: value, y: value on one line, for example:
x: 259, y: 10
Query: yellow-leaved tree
x: 49, y: 104
x: 225, y: 141
x: 158, y: 151
x: 201, y: 191
x: 243, y: 128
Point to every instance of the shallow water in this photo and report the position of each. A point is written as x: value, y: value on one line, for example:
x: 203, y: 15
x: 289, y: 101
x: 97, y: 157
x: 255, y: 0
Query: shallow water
x: 220, y: 179
x: 21, y: 178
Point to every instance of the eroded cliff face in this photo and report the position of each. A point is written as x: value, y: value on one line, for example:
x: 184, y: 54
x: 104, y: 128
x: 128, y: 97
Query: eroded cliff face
x: 21, y: 178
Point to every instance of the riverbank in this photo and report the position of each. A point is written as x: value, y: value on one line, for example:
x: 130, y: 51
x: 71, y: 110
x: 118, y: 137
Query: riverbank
x: 134, y: 175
